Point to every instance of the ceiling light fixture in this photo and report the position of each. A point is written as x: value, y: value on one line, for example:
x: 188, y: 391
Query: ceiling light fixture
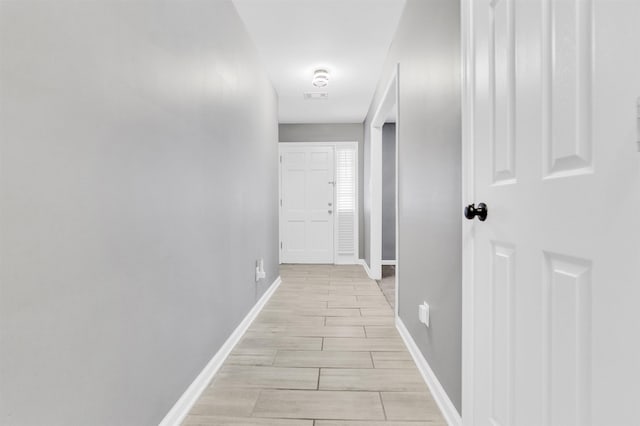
x: 320, y: 78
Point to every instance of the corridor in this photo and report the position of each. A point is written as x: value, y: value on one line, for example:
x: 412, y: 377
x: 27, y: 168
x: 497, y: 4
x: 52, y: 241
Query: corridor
x: 180, y: 179
x: 323, y: 352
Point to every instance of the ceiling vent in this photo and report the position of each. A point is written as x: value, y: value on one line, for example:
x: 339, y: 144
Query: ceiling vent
x: 316, y: 96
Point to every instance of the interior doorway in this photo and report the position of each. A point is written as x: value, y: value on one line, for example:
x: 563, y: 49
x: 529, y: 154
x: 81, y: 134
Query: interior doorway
x: 384, y: 235
x: 387, y: 281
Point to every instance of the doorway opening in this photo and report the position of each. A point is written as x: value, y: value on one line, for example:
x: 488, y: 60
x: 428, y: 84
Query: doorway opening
x: 384, y: 232
x: 387, y: 281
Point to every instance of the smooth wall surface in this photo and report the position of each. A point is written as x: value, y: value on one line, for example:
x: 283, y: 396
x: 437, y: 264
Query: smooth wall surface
x: 138, y: 182
x: 333, y: 133
x: 427, y: 47
x: 389, y: 191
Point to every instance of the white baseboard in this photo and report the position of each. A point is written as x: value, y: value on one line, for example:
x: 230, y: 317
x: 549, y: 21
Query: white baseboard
x: 179, y: 411
x: 447, y: 408
x: 388, y: 263
x: 366, y: 267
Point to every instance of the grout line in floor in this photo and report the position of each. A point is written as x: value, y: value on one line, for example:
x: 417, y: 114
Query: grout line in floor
x: 318, y: 383
x: 253, y: 408
x: 382, y: 404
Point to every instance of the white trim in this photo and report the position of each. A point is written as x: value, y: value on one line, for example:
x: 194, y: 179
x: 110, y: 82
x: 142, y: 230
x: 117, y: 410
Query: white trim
x: 280, y: 242
x: 366, y: 267
x: 447, y: 408
x: 388, y: 101
x: 337, y: 260
x: 468, y: 195
x: 181, y: 408
x: 397, y: 200
x: 388, y: 263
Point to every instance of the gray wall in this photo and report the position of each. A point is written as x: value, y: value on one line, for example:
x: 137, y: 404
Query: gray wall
x: 333, y: 133
x: 389, y: 191
x: 138, y: 150
x: 427, y: 47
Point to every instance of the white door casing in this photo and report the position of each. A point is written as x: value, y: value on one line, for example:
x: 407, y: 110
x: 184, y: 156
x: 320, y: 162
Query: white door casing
x: 551, y: 278
x: 387, y: 106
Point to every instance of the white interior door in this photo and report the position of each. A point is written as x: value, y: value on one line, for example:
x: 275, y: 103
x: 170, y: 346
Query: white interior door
x: 556, y: 276
x: 307, y: 196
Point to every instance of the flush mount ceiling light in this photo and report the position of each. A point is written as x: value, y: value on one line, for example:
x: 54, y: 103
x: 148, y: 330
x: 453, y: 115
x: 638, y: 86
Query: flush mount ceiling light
x: 320, y: 78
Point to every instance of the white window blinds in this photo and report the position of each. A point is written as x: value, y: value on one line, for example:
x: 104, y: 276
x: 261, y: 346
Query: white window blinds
x: 345, y: 201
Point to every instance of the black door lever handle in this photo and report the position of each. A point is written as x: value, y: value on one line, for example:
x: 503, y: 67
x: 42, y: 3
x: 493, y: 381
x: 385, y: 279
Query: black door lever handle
x: 480, y: 212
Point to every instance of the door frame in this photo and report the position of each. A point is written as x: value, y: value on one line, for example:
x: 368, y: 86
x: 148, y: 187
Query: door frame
x: 389, y: 100
x: 350, y: 144
x: 468, y: 195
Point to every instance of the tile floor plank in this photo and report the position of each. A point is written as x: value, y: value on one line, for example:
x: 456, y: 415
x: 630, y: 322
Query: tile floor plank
x: 252, y: 356
x: 242, y: 421
x: 319, y: 405
x: 280, y: 318
x: 410, y: 406
x: 381, y: 331
x: 315, y: 312
x: 367, y: 344
x: 346, y: 291
x: 251, y: 376
x: 390, y: 380
x: 392, y: 360
x: 372, y: 304
x: 223, y: 401
x: 324, y: 359
x: 306, y: 331
x: 377, y: 312
x: 282, y: 342
x: 388, y: 321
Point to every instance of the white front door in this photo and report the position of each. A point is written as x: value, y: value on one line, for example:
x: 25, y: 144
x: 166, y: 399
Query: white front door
x: 556, y: 275
x: 307, y: 198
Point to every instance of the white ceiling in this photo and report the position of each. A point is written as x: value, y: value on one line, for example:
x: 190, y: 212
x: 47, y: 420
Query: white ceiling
x: 350, y: 38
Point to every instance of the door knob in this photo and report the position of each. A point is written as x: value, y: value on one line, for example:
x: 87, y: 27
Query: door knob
x: 330, y: 211
x: 480, y: 212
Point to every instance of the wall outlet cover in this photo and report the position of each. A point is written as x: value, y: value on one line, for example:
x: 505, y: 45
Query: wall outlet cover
x: 423, y: 313
x: 260, y: 274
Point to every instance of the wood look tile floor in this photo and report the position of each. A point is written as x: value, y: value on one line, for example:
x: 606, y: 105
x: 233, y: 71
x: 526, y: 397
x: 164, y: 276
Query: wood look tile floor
x: 324, y: 351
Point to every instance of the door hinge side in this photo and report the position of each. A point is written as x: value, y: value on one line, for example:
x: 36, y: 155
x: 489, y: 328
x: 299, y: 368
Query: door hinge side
x: 280, y: 245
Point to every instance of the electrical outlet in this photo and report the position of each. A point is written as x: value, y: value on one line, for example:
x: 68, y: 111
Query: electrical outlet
x: 423, y: 313
x: 260, y: 274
